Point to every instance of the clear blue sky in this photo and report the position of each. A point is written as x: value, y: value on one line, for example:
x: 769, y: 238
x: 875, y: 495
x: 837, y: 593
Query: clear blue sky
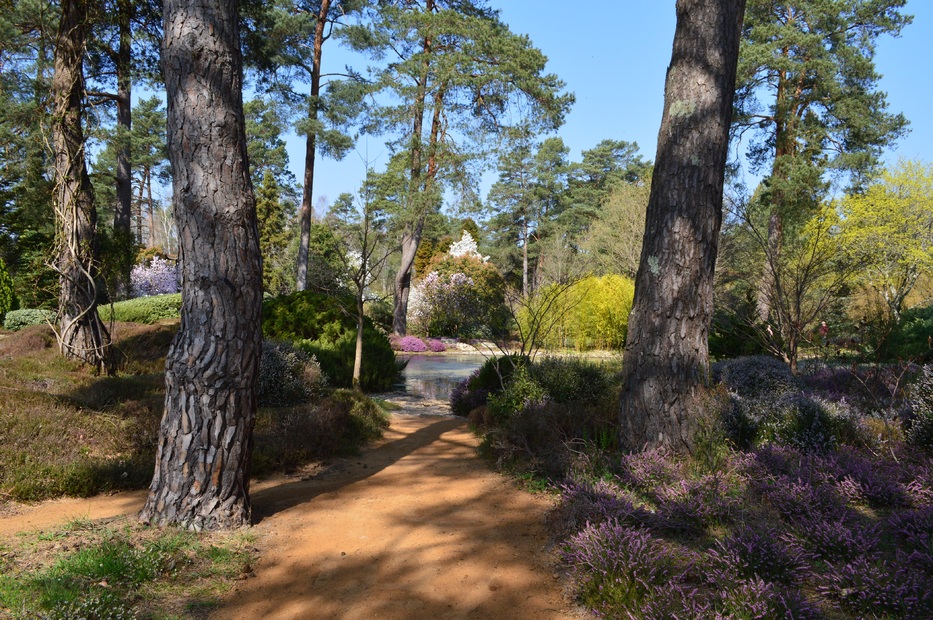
x: 614, y: 55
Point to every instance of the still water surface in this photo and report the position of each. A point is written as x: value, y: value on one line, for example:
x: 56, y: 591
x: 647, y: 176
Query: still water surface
x: 434, y: 376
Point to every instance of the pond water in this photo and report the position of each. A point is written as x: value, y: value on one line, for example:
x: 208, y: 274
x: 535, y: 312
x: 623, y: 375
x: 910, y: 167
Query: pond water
x: 435, y: 376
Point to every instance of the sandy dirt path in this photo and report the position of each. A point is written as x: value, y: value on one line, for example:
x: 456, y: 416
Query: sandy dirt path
x: 415, y: 527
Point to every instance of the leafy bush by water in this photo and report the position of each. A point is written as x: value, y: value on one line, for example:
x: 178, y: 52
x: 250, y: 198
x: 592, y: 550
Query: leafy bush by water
x: 321, y: 326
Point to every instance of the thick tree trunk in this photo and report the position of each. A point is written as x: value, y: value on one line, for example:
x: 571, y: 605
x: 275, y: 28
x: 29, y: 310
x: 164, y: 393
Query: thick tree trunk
x: 203, y: 459
x: 81, y: 335
x: 307, y: 197
x: 665, y: 367
x: 122, y: 226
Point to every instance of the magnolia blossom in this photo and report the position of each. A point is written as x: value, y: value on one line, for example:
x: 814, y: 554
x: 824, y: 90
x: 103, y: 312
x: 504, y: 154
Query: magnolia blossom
x: 466, y: 247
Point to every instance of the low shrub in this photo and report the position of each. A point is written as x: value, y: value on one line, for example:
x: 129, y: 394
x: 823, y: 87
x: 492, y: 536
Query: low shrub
x: 435, y: 345
x: 756, y: 377
x: 569, y: 379
x: 287, y: 375
x: 147, y: 310
x: 412, y: 344
x: 18, y: 319
x: 287, y: 438
x: 463, y: 399
x: 320, y: 325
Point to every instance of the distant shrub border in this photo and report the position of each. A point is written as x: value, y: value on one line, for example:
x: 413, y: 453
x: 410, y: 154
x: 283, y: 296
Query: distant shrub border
x: 146, y: 310
x: 16, y: 320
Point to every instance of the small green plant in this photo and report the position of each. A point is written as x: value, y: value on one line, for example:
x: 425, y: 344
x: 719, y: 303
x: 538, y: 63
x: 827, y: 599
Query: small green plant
x: 111, y: 568
x: 18, y: 319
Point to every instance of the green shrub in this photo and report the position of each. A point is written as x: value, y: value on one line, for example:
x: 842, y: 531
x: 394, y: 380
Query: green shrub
x: 321, y: 326
x: 8, y: 299
x: 287, y: 375
x: 146, y: 310
x: 568, y: 379
x: 521, y: 392
x: 18, y: 319
x: 804, y: 423
x: 920, y: 433
x: 912, y: 339
x: 496, y: 372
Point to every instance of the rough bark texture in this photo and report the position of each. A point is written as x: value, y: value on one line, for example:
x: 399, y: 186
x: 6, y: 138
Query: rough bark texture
x: 307, y: 197
x: 665, y: 368
x: 81, y: 334
x: 202, y: 464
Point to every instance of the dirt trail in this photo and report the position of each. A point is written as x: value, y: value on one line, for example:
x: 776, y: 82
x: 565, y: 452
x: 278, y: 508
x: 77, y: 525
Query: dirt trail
x: 416, y: 527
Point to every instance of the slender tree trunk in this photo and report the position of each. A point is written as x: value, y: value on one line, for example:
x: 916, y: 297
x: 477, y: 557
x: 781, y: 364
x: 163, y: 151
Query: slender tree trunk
x: 666, y: 362
x: 203, y: 460
x: 411, y: 238
x: 82, y: 335
x: 307, y: 197
x: 122, y: 226
x: 525, y: 290
x: 358, y: 356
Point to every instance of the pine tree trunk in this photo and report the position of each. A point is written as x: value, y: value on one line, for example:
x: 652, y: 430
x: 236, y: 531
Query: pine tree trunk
x: 307, y: 197
x: 82, y: 335
x: 122, y: 225
x: 666, y: 362
x: 202, y: 470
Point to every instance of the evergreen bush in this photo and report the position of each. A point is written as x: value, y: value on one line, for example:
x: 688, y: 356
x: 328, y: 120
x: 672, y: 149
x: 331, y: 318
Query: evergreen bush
x: 18, y: 319
x: 912, y: 339
x: 287, y: 375
x: 147, y: 310
x: 8, y: 299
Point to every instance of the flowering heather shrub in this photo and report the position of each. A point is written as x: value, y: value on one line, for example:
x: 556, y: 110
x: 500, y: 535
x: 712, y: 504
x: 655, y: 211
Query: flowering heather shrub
x: 837, y: 540
x: 692, y: 506
x: 584, y: 503
x: 920, y: 433
x: 762, y: 553
x: 435, y: 345
x: 645, y: 471
x: 920, y: 487
x: 287, y: 376
x: 618, y: 568
x: 869, y: 587
x: 872, y: 482
x: 412, y: 344
x: 158, y: 277
x: 914, y: 527
x: 801, y: 501
x: 756, y: 598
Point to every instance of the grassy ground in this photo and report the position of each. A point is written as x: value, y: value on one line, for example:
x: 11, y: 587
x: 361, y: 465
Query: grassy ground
x: 64, y: 431
x: 118, y: 569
